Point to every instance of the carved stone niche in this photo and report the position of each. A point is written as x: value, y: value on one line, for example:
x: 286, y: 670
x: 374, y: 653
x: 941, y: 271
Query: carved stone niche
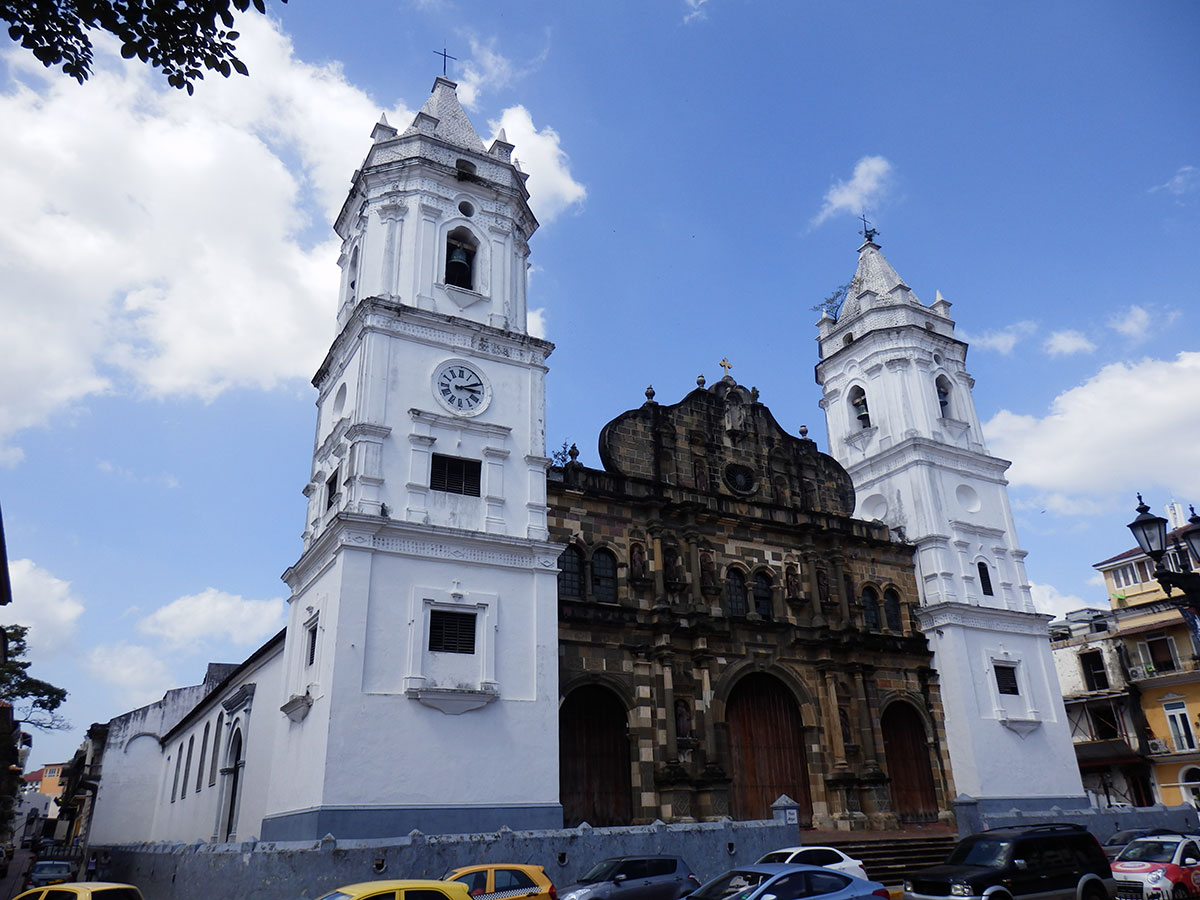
x: 708, y: 574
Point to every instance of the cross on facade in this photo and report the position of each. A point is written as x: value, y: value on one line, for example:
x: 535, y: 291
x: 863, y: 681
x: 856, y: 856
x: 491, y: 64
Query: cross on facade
x: 725, y: 364
x: 445, y: 56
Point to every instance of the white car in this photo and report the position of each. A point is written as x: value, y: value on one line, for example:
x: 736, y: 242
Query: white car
x: 829, y: 857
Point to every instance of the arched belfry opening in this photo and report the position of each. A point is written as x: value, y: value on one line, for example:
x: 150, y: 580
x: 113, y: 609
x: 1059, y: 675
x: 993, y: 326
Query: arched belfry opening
x: 595, y: 765
x: 906, y: 749
x: 944, y: 393
x: 461, y: 248
x: 858, y: 406
x: 766, y: 748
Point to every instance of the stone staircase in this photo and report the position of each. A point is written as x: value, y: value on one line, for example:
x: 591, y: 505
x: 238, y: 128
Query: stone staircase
x: 891, y: 859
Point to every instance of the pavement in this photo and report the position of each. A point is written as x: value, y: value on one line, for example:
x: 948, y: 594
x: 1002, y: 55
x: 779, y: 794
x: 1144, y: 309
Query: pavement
x: 10, y: 884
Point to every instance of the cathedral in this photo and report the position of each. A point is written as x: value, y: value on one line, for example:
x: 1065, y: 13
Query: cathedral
x: 720, y: 620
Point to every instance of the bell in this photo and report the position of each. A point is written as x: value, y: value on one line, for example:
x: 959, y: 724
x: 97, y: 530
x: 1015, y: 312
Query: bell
x: 458, y: 269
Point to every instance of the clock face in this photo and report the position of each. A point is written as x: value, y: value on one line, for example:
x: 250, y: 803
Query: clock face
x: 461, y: 388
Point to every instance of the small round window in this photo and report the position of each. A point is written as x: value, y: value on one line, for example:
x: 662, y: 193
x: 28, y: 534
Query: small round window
x: 740, y: 478
x: 466, y: 208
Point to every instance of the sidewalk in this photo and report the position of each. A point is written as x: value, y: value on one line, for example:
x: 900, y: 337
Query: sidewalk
x: 10, y: 884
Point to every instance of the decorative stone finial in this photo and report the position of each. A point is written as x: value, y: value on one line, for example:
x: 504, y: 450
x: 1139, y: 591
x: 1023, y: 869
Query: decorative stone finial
x: 754, y: 394
x: 726, y: 365
x: 650, y: 393
x: 700, y: 380
x: 804, y: 432
x: 573, y: 453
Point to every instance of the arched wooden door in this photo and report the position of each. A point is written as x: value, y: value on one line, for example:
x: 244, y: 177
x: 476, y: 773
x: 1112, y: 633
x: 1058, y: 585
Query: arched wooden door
x: 914, y: 798
x: 766, y: 748
x: 595, y: 780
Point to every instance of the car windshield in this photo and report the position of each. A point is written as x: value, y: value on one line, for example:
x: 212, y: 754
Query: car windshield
x: 52, y: 868
x: 980, y: 852
x: 1122, y: 837
x: 779, y: 856
x: 1149, y: 851
x: 733, y: 883
x: 601, y: 871
x: 336, y: 895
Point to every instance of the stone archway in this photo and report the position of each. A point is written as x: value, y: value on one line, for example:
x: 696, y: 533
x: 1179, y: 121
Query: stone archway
x: 766, y: 748
x: 906, y: 749
x: 595, y: 774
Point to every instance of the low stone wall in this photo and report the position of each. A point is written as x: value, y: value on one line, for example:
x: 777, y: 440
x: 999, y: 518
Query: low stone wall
x: 974, y: 816
x: 302, y: 870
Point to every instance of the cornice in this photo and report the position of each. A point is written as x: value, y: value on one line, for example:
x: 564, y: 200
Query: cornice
x: 987, y: 618
x: 923, y: 451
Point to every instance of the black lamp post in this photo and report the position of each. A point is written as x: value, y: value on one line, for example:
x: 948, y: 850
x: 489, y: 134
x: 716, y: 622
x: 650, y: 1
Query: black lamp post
x: 1151, y: 534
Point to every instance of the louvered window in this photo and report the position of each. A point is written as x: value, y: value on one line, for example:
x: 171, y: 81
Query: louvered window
x: 454, y: 475
x: 451, y: 632
x: 1006, y: 679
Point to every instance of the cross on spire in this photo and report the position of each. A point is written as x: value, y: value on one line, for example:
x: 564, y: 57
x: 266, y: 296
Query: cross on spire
x: 868, y: 232
x: 726, y: 365
x: 445, y: 56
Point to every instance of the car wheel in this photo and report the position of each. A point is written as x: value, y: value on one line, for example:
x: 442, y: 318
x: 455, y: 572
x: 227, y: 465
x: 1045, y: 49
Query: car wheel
x: 1180, y: 892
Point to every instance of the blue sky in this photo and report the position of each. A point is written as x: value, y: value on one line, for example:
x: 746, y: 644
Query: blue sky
x: 168, y: 273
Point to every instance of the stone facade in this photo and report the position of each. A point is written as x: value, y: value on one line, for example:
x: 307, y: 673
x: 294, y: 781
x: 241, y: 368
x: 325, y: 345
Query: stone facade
x: 739, y: 611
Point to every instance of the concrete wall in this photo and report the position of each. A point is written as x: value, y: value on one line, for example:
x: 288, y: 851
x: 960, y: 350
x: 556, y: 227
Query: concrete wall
x: 974, y: 816
x: 297, y: 871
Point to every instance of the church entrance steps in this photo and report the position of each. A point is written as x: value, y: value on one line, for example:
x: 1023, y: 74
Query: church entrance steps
x: 890, y: 856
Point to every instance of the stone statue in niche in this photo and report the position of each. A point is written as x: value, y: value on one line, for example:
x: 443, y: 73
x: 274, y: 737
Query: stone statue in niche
x: 822, y: 586
x: 792, y: 582
x: 735, y: 415
x: 672, y: 564
x: 708, y: 573
x: 683, y: 719
x: 781, y: 491
x: 700, y: 474
x: 637, y: 562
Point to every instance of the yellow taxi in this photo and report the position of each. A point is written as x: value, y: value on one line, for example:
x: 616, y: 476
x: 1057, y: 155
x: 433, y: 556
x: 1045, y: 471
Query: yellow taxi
x: 82, y: 890
x: 504, y: 881
x: 408, y: 889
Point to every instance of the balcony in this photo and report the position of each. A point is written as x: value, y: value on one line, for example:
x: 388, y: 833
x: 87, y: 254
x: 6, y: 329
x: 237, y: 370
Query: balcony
x: 1182, y: 671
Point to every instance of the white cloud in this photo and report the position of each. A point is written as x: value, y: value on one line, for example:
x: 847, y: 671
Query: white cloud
x: 552, y: 190
x: 695, y: 11
x: 45, y: 605
x: 485, y: 70
x: 138, y: 673
x: 214, y: 614
x: 868, y: 185
x: 166, y: 479
x: 1184, y: 181
x: 1065, y: 343
x: 535, y: 322
x: 1002, y: 341
x: 1133, y: 323
x: 1129, y: 427
x: 1047, y: 599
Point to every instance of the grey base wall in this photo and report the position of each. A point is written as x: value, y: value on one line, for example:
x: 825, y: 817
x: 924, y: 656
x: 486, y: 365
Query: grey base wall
x: 359, y: 823
x: 277, y: 870
x: 976, y: 815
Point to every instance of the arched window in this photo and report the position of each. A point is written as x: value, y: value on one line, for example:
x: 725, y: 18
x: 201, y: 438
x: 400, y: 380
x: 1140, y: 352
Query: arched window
x: 943, y: 394
x: 735, y: 592
x: 178, y: 764
x: 570, y: 575
x: 235, y: 779
x: 870, y: 608
x: 604, y: 576
x: 187, y: 768
x: 216, y: 750
x: 203, y: 757
x: 762, y: 594
x: 858, y: 406
x: 891, y: 611
x: 985, y: 580
x: 460, y: 258
x: 352, y: 277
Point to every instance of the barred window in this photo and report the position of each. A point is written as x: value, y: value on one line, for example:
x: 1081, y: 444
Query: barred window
x: 870, y: 608
x: 570, y: 575
x: 735, y: 592
x: 985, y: 580
x: 1006, y: 679
x: 762, y: 594
x: 604, y: 576
x: 454, y: 475
x: 451, y: 632
x: 891, y: 611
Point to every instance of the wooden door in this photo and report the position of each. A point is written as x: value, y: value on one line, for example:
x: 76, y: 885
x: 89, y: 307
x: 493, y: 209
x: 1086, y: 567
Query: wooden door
x: 914, y: 798
x: 595, y: 776
x: 766, y: 749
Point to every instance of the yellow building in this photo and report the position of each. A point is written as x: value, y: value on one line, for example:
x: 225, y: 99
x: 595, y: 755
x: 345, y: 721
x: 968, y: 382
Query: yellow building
x: 1163, y: 664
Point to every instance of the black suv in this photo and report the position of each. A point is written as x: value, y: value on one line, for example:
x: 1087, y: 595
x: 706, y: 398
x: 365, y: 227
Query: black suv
x: 1046, y: 862
x: 634, y: 878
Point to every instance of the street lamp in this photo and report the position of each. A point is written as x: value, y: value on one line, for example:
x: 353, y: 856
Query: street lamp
x: 1151, y: 534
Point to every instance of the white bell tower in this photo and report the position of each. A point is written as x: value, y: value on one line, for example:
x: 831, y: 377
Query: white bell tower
x: 421, y: 654
x: 901, y: 419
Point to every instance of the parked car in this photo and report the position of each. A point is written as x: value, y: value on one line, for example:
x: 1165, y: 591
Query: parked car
x: 787, y: 881
x: 1115, y: 844
x: 406, y: 889
x: 49, y: 871
x: 83, y: 890
x: 501, y: 881
x: 827, y: 857
x: 1049, y: 862
x: 634, y: 878
x: 1162, y: 866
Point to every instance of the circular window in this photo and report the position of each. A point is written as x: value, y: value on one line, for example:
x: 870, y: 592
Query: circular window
x: 740, y: 478
x: 967, y: 498
x: 937, y: 359
x: 466, y: 208
x: 875, y: 507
